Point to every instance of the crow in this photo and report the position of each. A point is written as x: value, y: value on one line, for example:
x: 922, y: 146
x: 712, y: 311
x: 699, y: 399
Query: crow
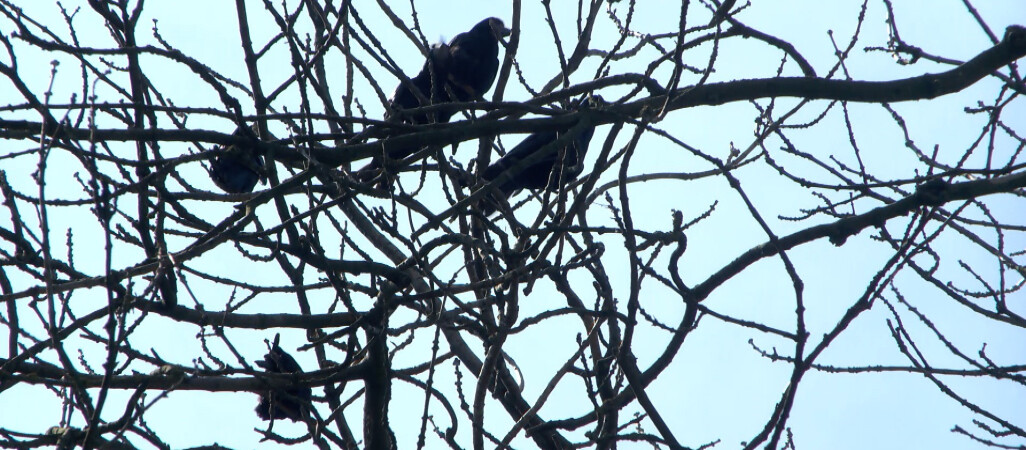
x: 461, y: 71
x: 292, y: 403
x: 237, y: 168
x: 429, y: 83
x: 464, y: 69
x: 557, y: 166
x: 474, y: 59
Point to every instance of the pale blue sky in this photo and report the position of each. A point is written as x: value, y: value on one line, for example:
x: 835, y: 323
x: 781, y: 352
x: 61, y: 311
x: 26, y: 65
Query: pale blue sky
x: 718, y: 386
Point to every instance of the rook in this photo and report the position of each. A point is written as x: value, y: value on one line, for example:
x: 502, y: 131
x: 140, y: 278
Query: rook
x: 290, y: 403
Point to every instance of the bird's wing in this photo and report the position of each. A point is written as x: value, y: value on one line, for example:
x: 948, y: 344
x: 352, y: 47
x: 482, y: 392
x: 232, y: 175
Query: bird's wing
x: 527, y: 147
x: 473, y: 62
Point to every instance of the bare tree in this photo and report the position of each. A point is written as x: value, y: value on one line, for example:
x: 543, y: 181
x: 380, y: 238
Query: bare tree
x: 423, y: 301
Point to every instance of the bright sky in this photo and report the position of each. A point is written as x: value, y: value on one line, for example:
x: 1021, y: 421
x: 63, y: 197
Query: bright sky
x: 719, y: 387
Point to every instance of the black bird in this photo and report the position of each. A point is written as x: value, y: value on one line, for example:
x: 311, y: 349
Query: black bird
x: 431, y: 87
x: 236, y: 169
x: 292, y: 403
x: 564, y: 164
x: 463, y: 70
x: 474, y: 59
x: 466, y: 67
x: 167, y: 285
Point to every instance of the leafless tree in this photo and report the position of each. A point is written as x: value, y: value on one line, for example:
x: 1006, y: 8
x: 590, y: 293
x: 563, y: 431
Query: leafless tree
x: 565, y: 319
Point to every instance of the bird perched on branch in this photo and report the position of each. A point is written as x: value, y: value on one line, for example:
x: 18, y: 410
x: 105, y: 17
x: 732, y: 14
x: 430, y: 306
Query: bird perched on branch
x: 429, y: 83
x: 290, y: 403
x: 167, y: 283
x: 461, y: 71
x: 236, y: 169
x: 551, y: 171
x: 474, y: 59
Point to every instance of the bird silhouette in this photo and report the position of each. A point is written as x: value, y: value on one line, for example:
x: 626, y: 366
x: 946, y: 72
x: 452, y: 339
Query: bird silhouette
x: 236, y: 169
x: 430, y: 83
x: 474, y: 59
x: 461, y: 71
x: 167, y: 285
x: 551, y: 171
x: 292, y: 403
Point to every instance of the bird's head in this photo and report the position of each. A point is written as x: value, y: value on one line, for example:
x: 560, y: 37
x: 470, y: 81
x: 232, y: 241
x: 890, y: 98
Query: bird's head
x: 497, y: 27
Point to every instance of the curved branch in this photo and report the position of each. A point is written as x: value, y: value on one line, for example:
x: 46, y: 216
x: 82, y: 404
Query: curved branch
x: 932, y: 193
